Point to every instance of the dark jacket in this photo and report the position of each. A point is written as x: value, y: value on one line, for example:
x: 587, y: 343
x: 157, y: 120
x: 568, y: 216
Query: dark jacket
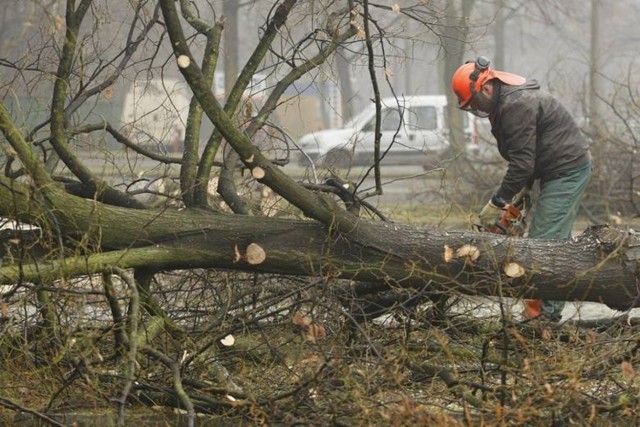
x: 536, y: 135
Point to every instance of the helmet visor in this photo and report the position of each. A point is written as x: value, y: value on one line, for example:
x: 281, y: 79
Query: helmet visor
x: 470, y: 108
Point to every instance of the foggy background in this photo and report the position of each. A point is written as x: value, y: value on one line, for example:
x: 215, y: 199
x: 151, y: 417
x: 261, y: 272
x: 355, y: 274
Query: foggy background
x: 569, y: 46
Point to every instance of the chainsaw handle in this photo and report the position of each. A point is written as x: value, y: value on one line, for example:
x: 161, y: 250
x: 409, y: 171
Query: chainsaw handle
x: 523, y: 202
x: 511, y: 222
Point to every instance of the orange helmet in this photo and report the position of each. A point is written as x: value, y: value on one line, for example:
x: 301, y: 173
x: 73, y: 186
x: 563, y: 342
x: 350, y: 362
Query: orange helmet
x: 469, y: 78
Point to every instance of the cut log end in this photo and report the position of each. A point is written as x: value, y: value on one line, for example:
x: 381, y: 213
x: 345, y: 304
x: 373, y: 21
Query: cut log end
x: 469, y: 252
x: 258, y: 172
x: 183, y: 61
x: 255, y: 254
x: 513, y: 270
x: 448, y: 253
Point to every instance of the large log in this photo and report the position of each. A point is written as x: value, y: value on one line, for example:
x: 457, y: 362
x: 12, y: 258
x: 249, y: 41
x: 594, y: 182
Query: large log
x: 602, y: 264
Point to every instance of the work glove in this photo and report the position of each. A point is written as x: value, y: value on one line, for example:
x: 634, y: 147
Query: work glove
x: 522, y: 199
x: 489, y: 215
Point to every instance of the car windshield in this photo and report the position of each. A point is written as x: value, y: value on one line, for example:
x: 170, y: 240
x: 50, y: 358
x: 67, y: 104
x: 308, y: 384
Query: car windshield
x: 423, y: 118
x: 390, y: 121
x: 465, y: 118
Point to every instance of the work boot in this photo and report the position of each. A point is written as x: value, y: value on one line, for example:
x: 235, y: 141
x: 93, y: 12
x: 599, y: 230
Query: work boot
x: 552, y: 310
x: 532, y: 308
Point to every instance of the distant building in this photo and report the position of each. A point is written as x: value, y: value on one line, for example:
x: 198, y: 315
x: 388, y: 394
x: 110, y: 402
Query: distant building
x: 307, y: 107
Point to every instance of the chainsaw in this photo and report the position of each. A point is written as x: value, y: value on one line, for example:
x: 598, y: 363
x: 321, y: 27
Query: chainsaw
x: 511, y: 222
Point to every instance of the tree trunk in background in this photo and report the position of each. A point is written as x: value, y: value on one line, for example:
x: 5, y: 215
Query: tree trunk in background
x: 595, y: 110
x: 455, y: 37
x: 346, y: 88
x: 231, y: 46
x: 498, y: 56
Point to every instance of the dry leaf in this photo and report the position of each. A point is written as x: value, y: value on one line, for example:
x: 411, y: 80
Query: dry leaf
x: 448, y: 253
x: 58, y: 22
x: 388, y: 73
x: 301, y: 320
x: 396, y: 8
x: 108, y: 93
x: 228, y: 341
x: 627, y: 370
x: 314, y: 332
x: 513, y: 269
x: 4, y: 309
x: 616, y: 219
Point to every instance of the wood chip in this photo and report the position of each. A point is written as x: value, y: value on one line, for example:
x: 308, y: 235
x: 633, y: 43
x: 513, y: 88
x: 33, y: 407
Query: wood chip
x: 228, y: 341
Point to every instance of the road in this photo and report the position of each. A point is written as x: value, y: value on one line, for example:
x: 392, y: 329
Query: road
x: 400, y: 184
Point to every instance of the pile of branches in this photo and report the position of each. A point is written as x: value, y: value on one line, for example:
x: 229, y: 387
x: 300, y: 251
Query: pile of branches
x: 212, y: 344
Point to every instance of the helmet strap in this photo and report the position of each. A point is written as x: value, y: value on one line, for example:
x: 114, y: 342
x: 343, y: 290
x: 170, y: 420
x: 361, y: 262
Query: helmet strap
x: 481, y: 64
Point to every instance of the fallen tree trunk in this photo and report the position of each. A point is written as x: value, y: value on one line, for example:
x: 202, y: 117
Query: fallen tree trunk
x: 602, y: 264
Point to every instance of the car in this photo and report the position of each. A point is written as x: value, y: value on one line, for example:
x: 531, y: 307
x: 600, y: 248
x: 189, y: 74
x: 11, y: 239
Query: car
x: 414, y: 131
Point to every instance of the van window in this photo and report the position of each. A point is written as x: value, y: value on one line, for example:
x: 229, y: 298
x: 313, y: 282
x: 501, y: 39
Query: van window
x: 390, y: 121
x: 465, y: 119
x: 424, y: 118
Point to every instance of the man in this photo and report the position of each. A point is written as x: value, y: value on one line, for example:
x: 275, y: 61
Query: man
x: 540, y: 140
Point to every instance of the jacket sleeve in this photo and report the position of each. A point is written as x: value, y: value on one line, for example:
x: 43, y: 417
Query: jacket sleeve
x: 518, y: 130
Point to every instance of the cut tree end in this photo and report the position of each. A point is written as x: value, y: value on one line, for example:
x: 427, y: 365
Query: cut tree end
x: 255, y: 254
x: 513, y: 270
x: 183, y: 61
x: 258, y: 172
x: 468, y: 251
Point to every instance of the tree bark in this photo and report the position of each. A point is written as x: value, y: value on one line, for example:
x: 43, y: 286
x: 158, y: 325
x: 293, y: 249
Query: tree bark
x: 602, y: 264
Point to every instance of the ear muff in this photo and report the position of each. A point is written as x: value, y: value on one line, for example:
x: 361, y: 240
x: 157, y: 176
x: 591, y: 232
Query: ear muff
x: 481, y: 64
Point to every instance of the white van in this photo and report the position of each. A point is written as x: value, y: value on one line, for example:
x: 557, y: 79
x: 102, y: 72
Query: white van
x: 414, y: 131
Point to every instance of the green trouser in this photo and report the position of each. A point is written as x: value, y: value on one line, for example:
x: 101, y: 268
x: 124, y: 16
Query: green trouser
x: 555, y: 213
